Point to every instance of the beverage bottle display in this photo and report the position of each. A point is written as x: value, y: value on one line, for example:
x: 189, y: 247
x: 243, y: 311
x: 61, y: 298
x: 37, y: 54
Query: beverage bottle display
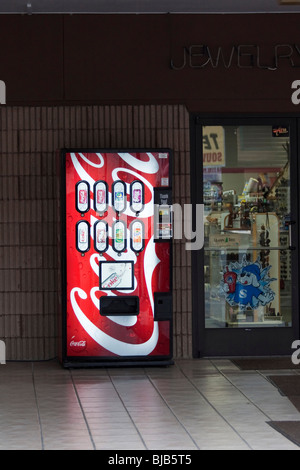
x: 112, y: 281
x: 119, y: 196
x: 119, y: 201
x: 101, y: 235
x: 100, y: 196
x: 119, y: 235
x: 82, y: 235
x: 82, y: 196
x: 137, y: 196
x: 137, y: 235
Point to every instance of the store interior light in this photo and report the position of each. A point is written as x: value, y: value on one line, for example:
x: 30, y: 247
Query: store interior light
x: 243, y: 232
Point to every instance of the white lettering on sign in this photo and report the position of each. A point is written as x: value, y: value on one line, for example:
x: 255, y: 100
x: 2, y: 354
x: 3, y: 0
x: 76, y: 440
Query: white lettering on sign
x: 271, y: 57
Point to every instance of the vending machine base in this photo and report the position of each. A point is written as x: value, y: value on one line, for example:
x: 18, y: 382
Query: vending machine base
x: 113, y: 364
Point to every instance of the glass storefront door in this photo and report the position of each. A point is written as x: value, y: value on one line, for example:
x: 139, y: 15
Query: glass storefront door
x: 250, y: 195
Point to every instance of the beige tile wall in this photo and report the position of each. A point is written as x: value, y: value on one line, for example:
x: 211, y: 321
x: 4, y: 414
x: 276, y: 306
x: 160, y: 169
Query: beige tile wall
x: 30, y: 137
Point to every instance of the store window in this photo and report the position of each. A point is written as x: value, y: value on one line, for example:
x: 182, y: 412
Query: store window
x: 247, y: 256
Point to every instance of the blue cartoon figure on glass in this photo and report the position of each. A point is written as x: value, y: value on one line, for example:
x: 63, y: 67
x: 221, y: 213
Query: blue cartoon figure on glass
x: 246, y: 284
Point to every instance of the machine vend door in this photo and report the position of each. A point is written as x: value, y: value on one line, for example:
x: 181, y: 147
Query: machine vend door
x: 117, y: 257
x: 249, y: 260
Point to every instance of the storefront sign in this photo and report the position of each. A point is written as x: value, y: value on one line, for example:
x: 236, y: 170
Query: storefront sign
x: 199, y: 56
x: 213, y: 146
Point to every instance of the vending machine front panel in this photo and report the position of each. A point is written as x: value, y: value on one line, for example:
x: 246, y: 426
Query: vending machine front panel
x: 114, y: 266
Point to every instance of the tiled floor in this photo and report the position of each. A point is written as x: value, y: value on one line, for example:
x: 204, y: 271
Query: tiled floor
x: 194, y: 404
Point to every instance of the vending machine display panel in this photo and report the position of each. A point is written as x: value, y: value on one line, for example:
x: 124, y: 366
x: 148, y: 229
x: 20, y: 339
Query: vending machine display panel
x: 116, y: 274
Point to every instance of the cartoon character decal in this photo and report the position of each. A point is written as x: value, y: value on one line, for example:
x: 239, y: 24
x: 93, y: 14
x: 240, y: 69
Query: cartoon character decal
x: 246, y: 284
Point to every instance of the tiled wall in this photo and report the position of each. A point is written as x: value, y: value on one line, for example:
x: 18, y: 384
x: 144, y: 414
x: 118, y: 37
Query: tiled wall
x: 30, y: 137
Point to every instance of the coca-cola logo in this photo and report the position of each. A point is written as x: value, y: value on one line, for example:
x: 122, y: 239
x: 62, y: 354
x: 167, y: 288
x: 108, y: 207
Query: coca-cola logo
x: 78, y: 345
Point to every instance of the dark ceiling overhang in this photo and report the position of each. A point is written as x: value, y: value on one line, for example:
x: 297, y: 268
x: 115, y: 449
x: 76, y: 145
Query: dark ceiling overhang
x: 147, y: 6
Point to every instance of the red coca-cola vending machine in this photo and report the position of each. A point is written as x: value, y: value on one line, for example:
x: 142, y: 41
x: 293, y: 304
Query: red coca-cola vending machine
x: 116, y: 245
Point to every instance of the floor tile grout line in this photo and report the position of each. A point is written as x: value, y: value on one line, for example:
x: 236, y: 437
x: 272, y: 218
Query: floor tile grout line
x: 37, y: 407
x: 130, y: 417
x: 242, y: 393
x: 41, y: 386
x: 215, y: 409
x: 254, y: 404
x: 82, y: 411
x: 171, y: 410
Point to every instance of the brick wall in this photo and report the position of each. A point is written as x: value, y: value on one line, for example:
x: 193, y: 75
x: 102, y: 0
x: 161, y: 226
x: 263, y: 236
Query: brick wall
x: 30, y: 137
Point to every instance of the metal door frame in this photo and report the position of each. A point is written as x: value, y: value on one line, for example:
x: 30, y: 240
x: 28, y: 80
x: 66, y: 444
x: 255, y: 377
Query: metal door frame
x: 257, y: 341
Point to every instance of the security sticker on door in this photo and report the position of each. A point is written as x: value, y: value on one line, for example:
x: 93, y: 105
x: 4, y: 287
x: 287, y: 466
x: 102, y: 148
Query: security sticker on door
x: 246, y: 284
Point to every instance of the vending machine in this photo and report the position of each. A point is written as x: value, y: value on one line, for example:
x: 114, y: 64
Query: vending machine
x: 116, y: 246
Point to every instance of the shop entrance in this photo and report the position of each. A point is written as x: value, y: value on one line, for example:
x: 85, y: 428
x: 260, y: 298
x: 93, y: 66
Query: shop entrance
x: 245, y: 279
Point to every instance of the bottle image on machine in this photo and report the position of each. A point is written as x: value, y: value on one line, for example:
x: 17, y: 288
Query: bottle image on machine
x: 101, y: 236
x: 82, y: 236
x: 112, y: 281
x: 137, y: 196
x: 119, y: 236
x: 137, y: 236
x: 82, y: 196
x: 100, y: 196
x: 119, y: 196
